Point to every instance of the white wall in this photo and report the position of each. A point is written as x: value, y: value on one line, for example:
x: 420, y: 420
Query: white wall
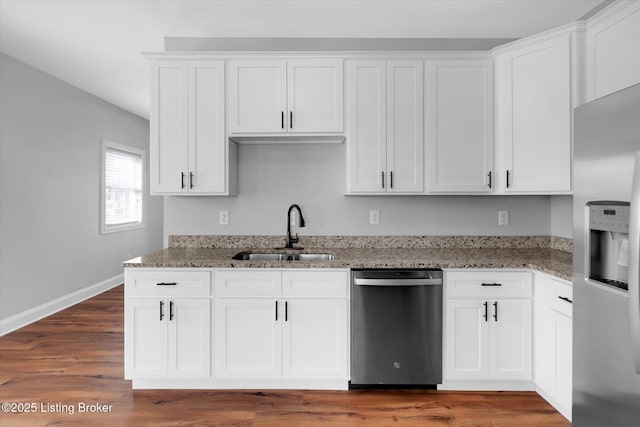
x: 272, y: 177
x: 50, y: 136
x: 562, y: 216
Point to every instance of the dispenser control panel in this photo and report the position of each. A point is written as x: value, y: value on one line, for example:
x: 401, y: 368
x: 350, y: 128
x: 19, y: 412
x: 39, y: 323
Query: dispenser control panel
x: 609, y: 218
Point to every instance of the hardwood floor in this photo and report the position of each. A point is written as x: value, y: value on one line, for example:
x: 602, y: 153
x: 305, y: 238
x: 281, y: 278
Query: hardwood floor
x: 75, y: 357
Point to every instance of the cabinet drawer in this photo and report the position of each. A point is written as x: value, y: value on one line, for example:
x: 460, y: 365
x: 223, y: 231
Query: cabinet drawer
x: 315, y: 283
x: 167, y: 283
x: 554, y: 294
x: 488, y: 284
x: 248, y: 283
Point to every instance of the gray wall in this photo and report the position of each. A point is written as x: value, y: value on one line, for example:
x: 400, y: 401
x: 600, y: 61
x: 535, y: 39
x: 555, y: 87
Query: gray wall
x: 50, y: 139
x: 562, y: 216
x: 271, y: 177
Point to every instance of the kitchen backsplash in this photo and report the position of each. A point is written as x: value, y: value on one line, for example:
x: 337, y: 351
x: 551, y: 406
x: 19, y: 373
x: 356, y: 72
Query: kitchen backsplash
x: 248, y: 241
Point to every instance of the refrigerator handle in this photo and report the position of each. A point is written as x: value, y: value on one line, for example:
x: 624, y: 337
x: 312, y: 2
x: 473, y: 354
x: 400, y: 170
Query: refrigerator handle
x: 634, y: 263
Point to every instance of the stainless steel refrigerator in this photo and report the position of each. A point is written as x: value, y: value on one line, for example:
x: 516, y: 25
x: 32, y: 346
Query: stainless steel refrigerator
x: 606, y: 233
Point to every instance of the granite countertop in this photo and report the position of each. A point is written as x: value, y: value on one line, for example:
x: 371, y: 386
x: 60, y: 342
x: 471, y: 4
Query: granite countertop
x: 549, y: 260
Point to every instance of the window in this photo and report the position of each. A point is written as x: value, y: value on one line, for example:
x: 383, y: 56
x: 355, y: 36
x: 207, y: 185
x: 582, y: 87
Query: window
x: 123, y: 201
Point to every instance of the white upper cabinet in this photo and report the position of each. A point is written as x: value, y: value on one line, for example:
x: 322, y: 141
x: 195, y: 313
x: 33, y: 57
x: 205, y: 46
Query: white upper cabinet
x: 613, y: 49
x: 188, y: 148
x: 459, y: 118
x: 385, y: 131
x: 533, y: 119
x: 286, y: 96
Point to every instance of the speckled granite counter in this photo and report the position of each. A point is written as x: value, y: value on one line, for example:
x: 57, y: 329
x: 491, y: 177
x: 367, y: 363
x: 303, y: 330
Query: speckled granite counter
x: 539, y: 253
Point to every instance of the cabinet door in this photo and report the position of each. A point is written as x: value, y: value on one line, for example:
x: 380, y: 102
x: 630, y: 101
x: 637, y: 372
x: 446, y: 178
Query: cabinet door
x: 315, y: 95
x: 207, y: 143
x: 460, y: 125
x: 145, y: 344
x: 544, y: 346
x: 405, y: 142
x: 564, y: 362
x: 168, y: 127
x: 189, y: 338
x: 315, y: 339
x: 257, y: 96
x: 248, y: 338
x: 466, y: 351
x: 510, y: 339
x: 367, y: 126
x: 536, y: 125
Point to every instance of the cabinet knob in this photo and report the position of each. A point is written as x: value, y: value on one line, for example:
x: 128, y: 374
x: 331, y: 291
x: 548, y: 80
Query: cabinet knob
x: 508, y: 179
x: 290, y: 119
x: 486, y: 311
x: 382, y: 179
x: 495, y: 311
x: 182, y: 180
x: 489, y: 175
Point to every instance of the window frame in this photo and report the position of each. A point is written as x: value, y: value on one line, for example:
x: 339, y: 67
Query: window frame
x: 107, y: 229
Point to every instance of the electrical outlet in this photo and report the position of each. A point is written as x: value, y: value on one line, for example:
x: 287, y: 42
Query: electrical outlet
x: 374, y: 217
x: 503, y: 217
x: 223, y: 218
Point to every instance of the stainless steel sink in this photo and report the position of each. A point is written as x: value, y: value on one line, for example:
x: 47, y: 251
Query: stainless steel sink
x: 249, y: 256
x: 314, y: 257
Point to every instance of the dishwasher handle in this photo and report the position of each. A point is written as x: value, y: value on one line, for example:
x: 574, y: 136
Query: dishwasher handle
x: 397, y: 282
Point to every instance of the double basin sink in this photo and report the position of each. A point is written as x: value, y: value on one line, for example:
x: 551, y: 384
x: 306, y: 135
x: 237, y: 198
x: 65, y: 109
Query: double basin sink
x: 280, y: 256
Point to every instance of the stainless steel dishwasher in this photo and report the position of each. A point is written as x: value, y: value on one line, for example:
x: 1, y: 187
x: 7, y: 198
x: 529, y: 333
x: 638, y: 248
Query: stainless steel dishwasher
x: 396, y: 328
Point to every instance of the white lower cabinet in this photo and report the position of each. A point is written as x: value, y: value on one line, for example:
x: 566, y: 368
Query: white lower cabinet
x: 270, y: 328
x: 553, y: 341
x: 488, y: 340
x: 167, y: 338
x: 248, y: 338
x: 307, y: 338
x: 282, y: 336
x: 315, y: 337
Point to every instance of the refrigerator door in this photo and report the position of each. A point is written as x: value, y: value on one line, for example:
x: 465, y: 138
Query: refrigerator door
x: 634, y: 263
x: 606, y: 387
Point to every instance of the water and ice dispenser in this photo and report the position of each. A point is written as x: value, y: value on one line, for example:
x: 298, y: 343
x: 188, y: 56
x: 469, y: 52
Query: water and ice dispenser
x: 609, y: 243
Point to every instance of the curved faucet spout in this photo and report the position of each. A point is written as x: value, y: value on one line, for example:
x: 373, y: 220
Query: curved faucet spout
x: 291, y: 240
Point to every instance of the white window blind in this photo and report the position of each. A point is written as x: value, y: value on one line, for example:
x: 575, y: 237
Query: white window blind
x: 123, y: 188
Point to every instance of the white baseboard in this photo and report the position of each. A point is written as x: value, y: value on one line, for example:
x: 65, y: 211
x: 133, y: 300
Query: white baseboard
x: 31, y: 315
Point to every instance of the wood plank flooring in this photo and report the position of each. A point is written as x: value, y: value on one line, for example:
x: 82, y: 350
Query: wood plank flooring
x: 76, y: 357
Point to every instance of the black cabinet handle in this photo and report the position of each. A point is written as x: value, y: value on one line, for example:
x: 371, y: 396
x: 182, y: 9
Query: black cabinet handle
x: 391, y: 179
x: 290, y: 119
x: 286, y: 311
x: 182, y: 180
x: 170, y: 310
x: 507, y: 179
x: 282, y: 119
x: 167, y: 284
x: 495, y: 311
x: 491, y: 284
x: 161, y: 310
x: 486, y: 311
x: 489, y: 175
x: 190, y: 179
x: 382, y: 179
x: 276, y: 310
x: 566, y: 299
